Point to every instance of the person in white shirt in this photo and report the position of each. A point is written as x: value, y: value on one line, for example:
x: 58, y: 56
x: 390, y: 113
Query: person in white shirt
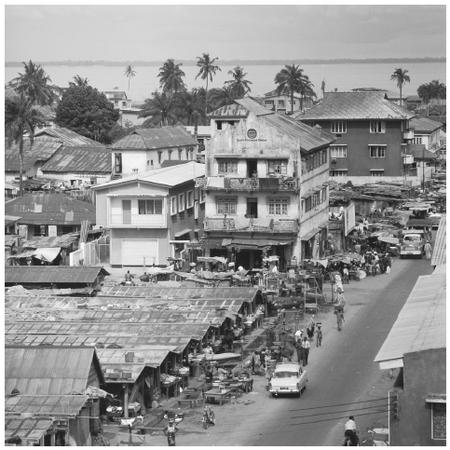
x: 350, y: 430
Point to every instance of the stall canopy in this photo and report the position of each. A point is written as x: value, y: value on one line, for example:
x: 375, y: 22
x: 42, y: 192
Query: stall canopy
x: 28, y: 430
x: 44, y: 254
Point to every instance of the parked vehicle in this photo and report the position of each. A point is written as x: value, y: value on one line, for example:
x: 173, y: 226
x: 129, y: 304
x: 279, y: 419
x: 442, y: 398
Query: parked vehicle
x: 412, y: 243
x: 288, y: 378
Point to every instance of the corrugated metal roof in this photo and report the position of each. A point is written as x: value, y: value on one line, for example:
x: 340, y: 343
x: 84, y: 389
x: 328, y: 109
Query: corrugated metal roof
x: 50, y: 209
x: 252, y: 105
x: 65, y: 241
x: 149, y: 356
x: 46, y: 405
x: 67, y: 137
x: 420, y: 324
x: 47, y: 371
x: 439, y: 255
x: 424, y: 125
x: 155, y: 138
x: 355, y: 105
x: 419, y: 151
x: 87, y: 159
x: 52, y: 274
x: 28, y: 430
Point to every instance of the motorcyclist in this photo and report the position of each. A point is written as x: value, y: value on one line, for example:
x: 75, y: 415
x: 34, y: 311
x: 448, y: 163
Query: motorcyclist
x: 350, y: 432
x: 170, y: 431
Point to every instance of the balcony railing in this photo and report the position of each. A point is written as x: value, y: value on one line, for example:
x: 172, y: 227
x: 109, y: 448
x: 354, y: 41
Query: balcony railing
x: 263, y: 224
x: 271, y: 184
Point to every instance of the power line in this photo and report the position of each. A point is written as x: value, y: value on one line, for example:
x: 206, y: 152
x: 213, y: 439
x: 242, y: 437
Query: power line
x: 339, y: 417
x: 339, y: 412
x: 340, y: 404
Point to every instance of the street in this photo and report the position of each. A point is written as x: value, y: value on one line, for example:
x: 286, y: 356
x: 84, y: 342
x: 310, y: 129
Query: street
x: 341, y: 375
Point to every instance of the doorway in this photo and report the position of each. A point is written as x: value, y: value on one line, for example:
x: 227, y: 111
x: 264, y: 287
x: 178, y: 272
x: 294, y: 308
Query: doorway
x: 252, y: 168
x: 249, y: 259
x: 252, y: 208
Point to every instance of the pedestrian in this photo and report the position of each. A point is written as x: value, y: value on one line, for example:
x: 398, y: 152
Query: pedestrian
x: 305, y: 346
x: 427, y: 248
x: 299, y: 349
x: 298, y: 335
x: 319, y: 336
x: 310, y: 332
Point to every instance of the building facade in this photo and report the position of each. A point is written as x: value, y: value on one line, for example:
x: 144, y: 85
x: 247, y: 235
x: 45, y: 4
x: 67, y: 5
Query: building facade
x: 283, y: 103
x: 152, y: 216
x: 428, y: 132
x: 266, y: 186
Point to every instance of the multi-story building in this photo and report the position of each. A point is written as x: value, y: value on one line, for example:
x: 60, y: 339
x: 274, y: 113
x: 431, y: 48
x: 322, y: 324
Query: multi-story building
x: 266, y: 185
x: 282, y: 102
x: 371, y: 134
x: 428, y: 132
x: 152, y: 215
x: 129, y: 115
x: 147, y: 148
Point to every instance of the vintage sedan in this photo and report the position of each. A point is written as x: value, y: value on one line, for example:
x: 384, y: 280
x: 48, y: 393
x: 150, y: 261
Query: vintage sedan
x: 288, y: 378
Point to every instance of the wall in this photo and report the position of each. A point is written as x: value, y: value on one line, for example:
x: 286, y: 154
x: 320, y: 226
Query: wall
x: 413, y: 426
x: 410, y: 181
x: 78, y: 178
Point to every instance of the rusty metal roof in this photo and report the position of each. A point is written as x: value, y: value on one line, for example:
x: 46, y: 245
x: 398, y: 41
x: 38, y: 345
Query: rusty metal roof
x: 353, y: 106
x: 155, y: 138
x: 52, y: 275
x: 86, y: 159
x: 28, y: 430
x: 439, y: 256
x: 50, y: 209
x: 67, y: 137
x: 46, y: 405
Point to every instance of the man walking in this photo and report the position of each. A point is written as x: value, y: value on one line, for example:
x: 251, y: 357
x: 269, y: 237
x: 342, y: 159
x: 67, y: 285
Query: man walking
x: 306, y: 345
x: 319, y: 336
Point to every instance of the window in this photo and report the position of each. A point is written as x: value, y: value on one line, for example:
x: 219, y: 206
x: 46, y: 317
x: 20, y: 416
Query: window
x: 180, y: 154
x: 190, y: 199
x: 377, y: 151
x: 339, y: 126
x: 218, y: 124
x: 124, y: 104
x: 202, y: 195
x: 281, y: 104
x: 277, y: 166
x: 227, y: 165
x: 118, y: 162
x: 169, y: 154
x: 278, y: 206
x: 338, y: 151
x: 438, y: 421
x: 418, y: 140
x: 323, y: 195
x: 324, y: 157
x: 226, y: 205
x: 159, y: 157
x: 150, y: 206
x: 376, y: 172
x: 338, y: 173
x: 181, y: 202
x: 173, y: 205
x: 377, y: 126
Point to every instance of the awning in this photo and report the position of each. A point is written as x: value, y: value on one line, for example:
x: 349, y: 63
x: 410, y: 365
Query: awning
x: 44, y: 254
x: 182, y: 232
x: 253, y: 244
x: 389, y: 240
x: 436, y: 398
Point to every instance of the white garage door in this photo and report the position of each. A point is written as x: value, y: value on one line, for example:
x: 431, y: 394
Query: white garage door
x: 136, y: 252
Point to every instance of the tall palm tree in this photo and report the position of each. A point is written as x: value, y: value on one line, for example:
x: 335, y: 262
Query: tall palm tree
x: 129, y: 73
x: 239, y: 85
x: 21, y: 116
x: 221, y: 97
x: 171, y: 77
x: 161, y: 110
x: 35, y: 84
x: 79, y: 81
x: 189, y: 106
x: 306, y: 90
x: 208, y: 69
x: 401, y: 77
x: 290, y: 79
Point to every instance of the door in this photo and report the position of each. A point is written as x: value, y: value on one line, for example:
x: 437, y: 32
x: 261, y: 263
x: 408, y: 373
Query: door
x: 139, y: 252
x: 252, y: 168
x: 252, y: 208
x: 126, y: 211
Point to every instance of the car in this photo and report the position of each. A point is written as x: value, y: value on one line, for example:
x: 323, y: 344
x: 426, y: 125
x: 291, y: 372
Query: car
x: 412, y: 244
x: 288, y: 378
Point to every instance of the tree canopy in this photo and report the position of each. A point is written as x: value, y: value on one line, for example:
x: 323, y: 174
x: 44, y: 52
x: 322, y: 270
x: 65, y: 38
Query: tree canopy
x: 433, y: 89
x: 88, y: 112
x: 208, y: 69
x: 171, y: 77
x: 160, y: 110
x: 401, y: 77
x: 239, y: 85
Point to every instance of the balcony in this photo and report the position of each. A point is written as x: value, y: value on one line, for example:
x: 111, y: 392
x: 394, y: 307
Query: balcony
x: 271, y: 184
x: 408, y: 135
x: 259, y: 225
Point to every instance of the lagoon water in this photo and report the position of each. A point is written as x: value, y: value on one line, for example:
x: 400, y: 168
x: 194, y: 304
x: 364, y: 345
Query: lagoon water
x: 342, y: 76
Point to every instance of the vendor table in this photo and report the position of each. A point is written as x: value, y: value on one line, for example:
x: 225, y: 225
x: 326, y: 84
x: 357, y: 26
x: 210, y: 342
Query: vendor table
x: 218, y: 395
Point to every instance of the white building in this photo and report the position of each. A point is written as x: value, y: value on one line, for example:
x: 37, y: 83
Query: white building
x: 428, y: 132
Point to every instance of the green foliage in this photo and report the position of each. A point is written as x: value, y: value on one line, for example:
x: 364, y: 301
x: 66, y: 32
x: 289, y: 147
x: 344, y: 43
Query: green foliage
x: 160, y: 109
x: 171, y: 77
x: 88, y: 112
x: 401, y: 77
x: 239, y: 85
x: 208, y: 69
x: 221, y: 97
x: 433, y: 89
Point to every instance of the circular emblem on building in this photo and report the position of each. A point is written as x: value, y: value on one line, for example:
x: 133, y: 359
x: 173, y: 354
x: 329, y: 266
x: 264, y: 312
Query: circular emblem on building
x: 251, y: 133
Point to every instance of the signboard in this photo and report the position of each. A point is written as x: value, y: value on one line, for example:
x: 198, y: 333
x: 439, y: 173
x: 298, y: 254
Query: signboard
x: 349, y: 218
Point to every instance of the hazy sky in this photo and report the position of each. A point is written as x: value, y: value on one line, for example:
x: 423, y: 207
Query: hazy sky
x: 121, y: 33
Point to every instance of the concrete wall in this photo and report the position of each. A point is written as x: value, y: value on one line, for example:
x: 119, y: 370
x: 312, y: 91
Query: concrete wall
x: 423, y: 373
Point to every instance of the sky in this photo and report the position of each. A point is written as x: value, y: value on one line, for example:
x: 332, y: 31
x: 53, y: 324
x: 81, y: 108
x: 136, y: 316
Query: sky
x: 155, y: 33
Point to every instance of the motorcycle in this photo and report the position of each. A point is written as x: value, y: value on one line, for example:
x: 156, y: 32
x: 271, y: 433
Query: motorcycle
x: 208, y: 417
x: 351, y: 439
x: 170, y: 431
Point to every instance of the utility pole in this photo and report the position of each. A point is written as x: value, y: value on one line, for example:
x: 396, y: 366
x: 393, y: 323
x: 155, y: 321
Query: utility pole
x: 423, y: 168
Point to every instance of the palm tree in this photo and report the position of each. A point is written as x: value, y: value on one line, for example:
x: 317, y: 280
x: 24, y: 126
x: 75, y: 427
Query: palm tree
x: 161, y: 110
x: 189, y: 106
x: 34, y: 83
x: 79, y: 81
x: 171, y: 77
x: 239, y: 85
x: 290, y: 79
x: 306, y: 90
x: 221, y: 97
x: 129, y: 73
x: 21, y: 116
x: 207, y: 71
x: 401, y: 77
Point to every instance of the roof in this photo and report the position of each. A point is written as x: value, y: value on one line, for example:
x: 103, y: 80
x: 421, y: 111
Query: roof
x: 233, y: 111
x: 49, y: 208
x: 67, y: 137
x: 439, y: 256
x: 165, y: 176
x: 52, y: 274
x: 419, y: 151
x: 173, y: 162
x: 65, y: 241
x: 47, y: 371
x: 155, y: 138
x: 45, y: 405
x: 90, y: 159
x: 30, y: 430
x: 420, y: 324
x: 153, y: 357
x: 354, y: 106
x: 424, y: 125
x: 275, y: 93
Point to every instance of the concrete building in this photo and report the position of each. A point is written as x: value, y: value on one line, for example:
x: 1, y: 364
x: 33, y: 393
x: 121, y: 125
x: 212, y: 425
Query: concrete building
x: 371, y: 135
x: 129, y: 115
x: 267, y: 185
x: 428, y: 132
x: 152, y: 215
x: 147, y: 148
x: 281, y: 102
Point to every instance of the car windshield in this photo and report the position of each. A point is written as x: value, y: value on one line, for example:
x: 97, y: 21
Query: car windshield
x: 285, y: 374
x: 412, y: 237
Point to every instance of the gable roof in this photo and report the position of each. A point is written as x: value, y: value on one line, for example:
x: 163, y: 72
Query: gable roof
x: 50, y: 208
x: 155, y: 138
x: 88, y: 159
x: 48, y: 370
x: 353, y: 106
x: 28, y: 430
x: 67, y: 137
x: 424, y: 125
x: 165, y: 176
x: 419, y: 152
